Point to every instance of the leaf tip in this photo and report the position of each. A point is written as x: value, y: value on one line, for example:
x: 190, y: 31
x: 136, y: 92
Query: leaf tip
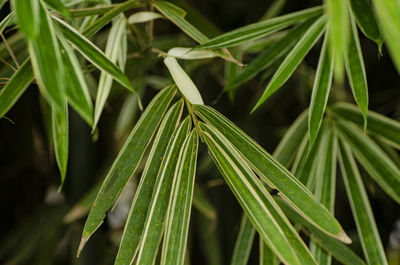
x: 82, y: 245
x: 344, y: 237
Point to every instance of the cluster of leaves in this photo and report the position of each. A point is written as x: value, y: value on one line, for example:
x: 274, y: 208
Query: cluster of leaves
x: 277, y: 203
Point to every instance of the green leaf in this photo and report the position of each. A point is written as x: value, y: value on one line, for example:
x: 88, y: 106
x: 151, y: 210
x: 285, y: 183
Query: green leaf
x: 389, y: 21
x: 266, y: 256
x: 107, y: 17
x: 379, y: 166
x: 112, y: 52
x: 387, y: 129
x: 46, y: 61
x: 156, y: 215
x: 256, y: 201
x: 273, y: 173
x: 326, y: 186
x: 95, y: 10
x: 202, y: 203
x: 76, y: 88
x: 270, y: 55
x: 366, y: 20
x: 176, y: 15
x: 244, y: 242
x: 356, y: 71
x: 137, y: 214
x: 361, y: 208
x: 321, y: 89
x: 59, y: 6
x: 293, y: 59
x: 340, y: 252
x: 259, y: 29
x: 60, y: 138
x: 15, y: 87
x: 93, y: 53
x: 287, y: 148
x: 143, y: 16
x: 28, y: 16
x: 180, y: 203
x: 127, y: 161
x: 338, y: 30
x: 5, y: 21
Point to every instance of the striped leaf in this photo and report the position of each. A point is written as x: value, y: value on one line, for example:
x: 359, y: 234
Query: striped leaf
x: 127, y: 161
x: 244, y: 242
x: 188, y: 54
x: 143, y: 16
x: 256, y: 201
x: 259, y: 29
x: 379, y: 166
x: 137, y: 214
x: 47, y: 63
x: 273, y: 173
x: 28, y: 15
x: 293, y: 59
x: 157, y: 209
x: 180, y: 203
x: 321, y: 89
x: 15, y: 87
x: 361, y: 208
x: 59, y: 6
x: 266, y: 256
x: 356, y: 71
x: 4, y: 23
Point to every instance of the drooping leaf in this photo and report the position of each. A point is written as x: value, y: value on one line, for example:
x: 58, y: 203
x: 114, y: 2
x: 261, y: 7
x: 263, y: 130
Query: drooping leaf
x: 59, y: 6
x: 356, y: 71
x: 46, y: 61
x: 183, y: 81
x: 156, y: 215
x: 60, y: 138
x: 76, y: 88
x: 28, y: 16
x: 180, y: 204
x: 366, y: 20
x: 15, y: 87
x: 127, y: 161
x: 270, y: 55
x: 138, y: 212
x: 293, y: 59
x: 244, y: 242
x: 112, y: 52
x: 386, y: 128
x: 273, y: 173
x: 361, y: 208
x: 389, y: 22
x: 93, y: 53
x: 379, y: 166
x: 259, y: 29
x: 256, y: 201
x: 321, y: 89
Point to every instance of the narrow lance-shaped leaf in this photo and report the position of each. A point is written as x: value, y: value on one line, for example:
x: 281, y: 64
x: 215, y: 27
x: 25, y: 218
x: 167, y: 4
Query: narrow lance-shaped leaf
x: 326, y: 187
x: 28, y: 16
x: 244, y: 242
x: 273, y: 173
x: 202, y: 203
x: 366, y: 20
x: 144, y: 16
x: 293, y: 59
x: 93, y: 53
x: 379, y: 166
x: 138, y: 212
x: 46, y: 61
x: 259, y: 29
x: 356, y: 71
x: 188, y: 54
x: 386, y: 128
x: 59, y: 6
x: 270, y: 55
x: 60, y: 138
x: 5, y: 21
x: 76, y: 88
x: 362, y: 212
x: 321, y: 89
x: 156, y: 215
x: 127, y: 161
x: 389, y: 21
x: 15, y: 87
x: 338, y: 30
x: 183, y: 81
x: 266, y: 256
x: 112, y: 52
x: 180, y: 204
x: 339, y: 251
x: 256, y: 201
